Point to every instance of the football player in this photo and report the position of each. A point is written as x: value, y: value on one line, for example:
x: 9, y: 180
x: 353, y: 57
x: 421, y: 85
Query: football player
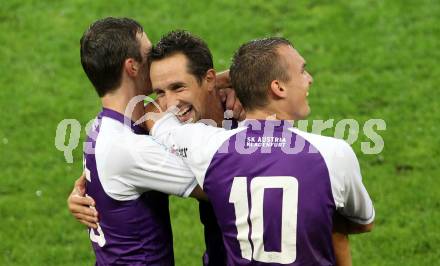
x: 129, y: 176
x: 275, y: 190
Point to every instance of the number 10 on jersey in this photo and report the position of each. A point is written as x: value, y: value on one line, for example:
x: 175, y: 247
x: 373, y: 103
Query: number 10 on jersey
x: 239, y: 197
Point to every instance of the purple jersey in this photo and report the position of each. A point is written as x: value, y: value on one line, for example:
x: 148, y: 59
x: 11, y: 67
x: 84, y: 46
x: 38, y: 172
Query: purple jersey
x: 280, y: 196
x: 274, y: 189
x: 134, y: 226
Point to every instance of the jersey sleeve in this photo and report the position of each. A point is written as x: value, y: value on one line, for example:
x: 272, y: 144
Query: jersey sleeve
x: 349, y: 193
x: 196, y: 143
x: 356, y: 203
x: 141, y: 164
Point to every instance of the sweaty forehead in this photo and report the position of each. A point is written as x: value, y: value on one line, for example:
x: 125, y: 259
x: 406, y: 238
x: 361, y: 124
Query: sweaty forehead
x: 168, y: 70
x: 291, y: 55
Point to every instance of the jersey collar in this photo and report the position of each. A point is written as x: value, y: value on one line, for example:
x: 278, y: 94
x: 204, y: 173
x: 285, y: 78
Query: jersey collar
x: 257, y: 124
x: 124, y: 120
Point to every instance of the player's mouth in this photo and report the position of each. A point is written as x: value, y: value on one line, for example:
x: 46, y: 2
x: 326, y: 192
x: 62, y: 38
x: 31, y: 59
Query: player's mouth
x: 185, y: 113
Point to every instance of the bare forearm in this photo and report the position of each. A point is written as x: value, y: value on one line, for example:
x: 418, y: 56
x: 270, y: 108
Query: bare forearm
x: 341, y: 246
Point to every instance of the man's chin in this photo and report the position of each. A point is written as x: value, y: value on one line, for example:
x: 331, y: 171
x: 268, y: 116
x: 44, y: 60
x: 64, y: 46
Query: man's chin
x: 307, y: 113
x: 302, y: 114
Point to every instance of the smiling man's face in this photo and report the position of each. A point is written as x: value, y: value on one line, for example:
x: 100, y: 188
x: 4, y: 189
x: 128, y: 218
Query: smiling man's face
x: 175, y: 86
x: 299, y: 81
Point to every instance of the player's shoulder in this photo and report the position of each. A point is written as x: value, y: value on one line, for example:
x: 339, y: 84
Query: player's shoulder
x: 116, y: 142
x: 119, y: 153
x: 337, y: 153
x: 208, y: 134
x: 340, y: 160
x: 329, y: 146
x: 115, y: 132
x: 204, y: 126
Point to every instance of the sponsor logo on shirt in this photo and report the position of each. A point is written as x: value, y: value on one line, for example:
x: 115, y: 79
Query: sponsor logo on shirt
x: 181, y: 152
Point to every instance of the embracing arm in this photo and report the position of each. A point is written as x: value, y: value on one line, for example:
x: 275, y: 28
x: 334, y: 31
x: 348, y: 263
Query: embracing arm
x: 155, y: 169
x: 79, y: 204
x: 228, y: 96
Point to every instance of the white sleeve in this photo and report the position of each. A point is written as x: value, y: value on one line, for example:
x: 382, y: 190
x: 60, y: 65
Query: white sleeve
x: 140, y: 164
x: 357, y: 205
x: 196, y: 143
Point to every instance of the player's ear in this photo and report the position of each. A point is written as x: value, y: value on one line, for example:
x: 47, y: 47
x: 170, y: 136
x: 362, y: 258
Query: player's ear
x: 210, y: 79
x: 277, y: 89
x: 131, y: 67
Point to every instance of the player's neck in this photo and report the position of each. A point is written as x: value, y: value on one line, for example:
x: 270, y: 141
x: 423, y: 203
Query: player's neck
x: 268, y: 114
x: 120, y: 99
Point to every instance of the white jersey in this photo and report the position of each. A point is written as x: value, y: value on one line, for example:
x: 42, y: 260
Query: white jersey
x: 130, y: 164
x: 265, y: 171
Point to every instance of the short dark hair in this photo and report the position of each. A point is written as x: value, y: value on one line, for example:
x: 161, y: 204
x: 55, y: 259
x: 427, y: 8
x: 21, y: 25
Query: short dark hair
x: 254, y: 66
x: 105, y: 45
x: 195, y: 49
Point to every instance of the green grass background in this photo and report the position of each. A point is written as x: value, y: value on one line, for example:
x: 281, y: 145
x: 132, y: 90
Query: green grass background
x: 369, y: 59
